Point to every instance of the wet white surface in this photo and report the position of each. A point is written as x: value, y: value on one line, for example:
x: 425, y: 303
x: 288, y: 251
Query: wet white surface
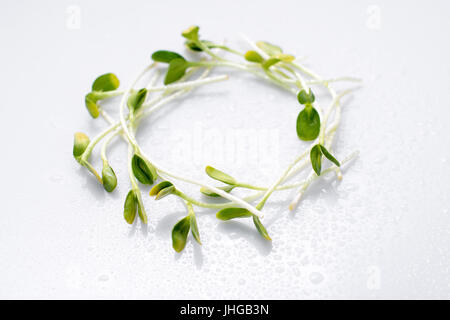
x: 383, y: 232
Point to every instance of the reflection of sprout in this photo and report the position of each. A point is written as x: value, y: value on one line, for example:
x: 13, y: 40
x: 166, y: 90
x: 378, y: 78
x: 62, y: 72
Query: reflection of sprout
x: 266, y: 61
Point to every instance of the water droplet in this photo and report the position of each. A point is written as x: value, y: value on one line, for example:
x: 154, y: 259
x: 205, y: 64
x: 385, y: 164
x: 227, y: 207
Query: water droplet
x: 103, y: 277
x: 56, y: 178
x: 316, y: 277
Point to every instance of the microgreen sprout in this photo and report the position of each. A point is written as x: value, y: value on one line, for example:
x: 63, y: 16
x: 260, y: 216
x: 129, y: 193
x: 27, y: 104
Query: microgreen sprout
x: 80, y: 143
x: 180, y: 230
x: 262, y: 59
x: 308, y: 120
x: 109, y: 178
x: 143, y: 170
x: 103, y: 87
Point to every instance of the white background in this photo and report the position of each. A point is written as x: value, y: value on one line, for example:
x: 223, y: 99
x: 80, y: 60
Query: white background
x: 383, y: 232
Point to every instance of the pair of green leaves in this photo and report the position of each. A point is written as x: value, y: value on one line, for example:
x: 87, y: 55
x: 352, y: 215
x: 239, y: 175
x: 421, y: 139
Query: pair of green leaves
x: 162, y: 190
x: 253, y: 56
x: 181, y: 230
x: 195, y: 47
x: 80, y: 145
x: 137, y: 99
x: 274, y: 52
x: 143, y: 170
x: 219, y: 176
x: 316, y: 157
x: 103, y: 84
x: 235, y: 213
x: 177, y: 65
x: 308, y: 120
x: 108, y: 179
x: 133, y: 203
x: 193, y: 41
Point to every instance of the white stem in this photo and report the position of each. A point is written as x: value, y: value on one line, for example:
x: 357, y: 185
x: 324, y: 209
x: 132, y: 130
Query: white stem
x: 312, y: 176
x: 220, y: 192
x: 123, y: 103
x: 189, y: 84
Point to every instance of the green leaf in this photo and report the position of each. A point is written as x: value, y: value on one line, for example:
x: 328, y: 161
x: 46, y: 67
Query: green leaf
x: 177, y: 69
x: 308, y: 124
x: 165, y: 192
x: 261, y: 229
x: 109, y: 178
x: 91, y: 105
x: 180, y: 232
x: 233, y: 213
x: 140, y: 208
x: 166, y: 56
x: 316, y: 158
x: 142, y: 214
x: 80, y: 143
x: 329, y: 156
x: 285, y: 57
x: 269, y: 48
x: 143, y: 170
x: 191, y: 33
x: 160, y: 186
x: 210, y: 193
x: 91, y: 169
x: 305, y: 97
x: 270, y: 62
x: 137, y: 99
x: 106, y: 82
x: 194, y: 46
x: 162, y: 189
x: 253, y: 56
x: 194, y: 228
x: 130, y: 207
x: 219, y: 175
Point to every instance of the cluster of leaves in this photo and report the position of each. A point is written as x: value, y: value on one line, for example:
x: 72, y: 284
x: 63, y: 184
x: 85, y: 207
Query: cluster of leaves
x: 316, y: 157
x: 103, y: 87
x: 232, y: 213
x: 177, y: 63
x: 308, y: 127
x: 275, y: 55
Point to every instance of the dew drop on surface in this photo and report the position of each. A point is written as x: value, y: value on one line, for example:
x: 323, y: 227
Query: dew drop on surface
x: 56, y: 178
x: 316, y: 277
x: 103, y: 277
